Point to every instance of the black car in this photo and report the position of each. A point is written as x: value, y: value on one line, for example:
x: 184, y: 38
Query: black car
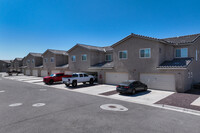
x: 131, y: 86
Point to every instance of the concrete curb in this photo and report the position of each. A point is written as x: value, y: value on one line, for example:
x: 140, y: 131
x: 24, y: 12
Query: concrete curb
x: 185, y: 110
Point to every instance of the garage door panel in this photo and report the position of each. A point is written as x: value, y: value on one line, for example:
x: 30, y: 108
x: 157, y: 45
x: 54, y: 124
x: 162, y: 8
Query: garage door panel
x: 44, y: 73
x: 55, y: 71
x: 159, y: 81
x: 115, y: 77
x: 35, y: 73
x: 28, y: 72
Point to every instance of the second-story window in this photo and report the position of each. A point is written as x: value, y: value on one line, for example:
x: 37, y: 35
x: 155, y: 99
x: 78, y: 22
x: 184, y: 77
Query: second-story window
x: 33, y: 60
x: 123, y: 54
x: 84, y: 57
x: 73, y: 58
x: 28, y: 61
x: 181, y: 52
x: 52, y: 59
x: 145, y: 53
x: 45, y: 60
x: 108, y: 57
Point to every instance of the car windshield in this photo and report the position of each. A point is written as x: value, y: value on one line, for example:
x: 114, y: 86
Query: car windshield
x: 52, y: 75
x: 75, y: 75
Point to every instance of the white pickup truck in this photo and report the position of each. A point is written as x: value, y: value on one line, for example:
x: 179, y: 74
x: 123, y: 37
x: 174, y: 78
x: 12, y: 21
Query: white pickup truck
x: 78, y: 78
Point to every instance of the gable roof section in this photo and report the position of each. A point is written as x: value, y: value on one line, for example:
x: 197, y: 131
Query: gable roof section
x: 182, y: 39
x: 58, y: 52
x: 6, y: 61
x: 36, y: 54
x: 89, y: 47
x: 18, y: 59
x: 139, y: 36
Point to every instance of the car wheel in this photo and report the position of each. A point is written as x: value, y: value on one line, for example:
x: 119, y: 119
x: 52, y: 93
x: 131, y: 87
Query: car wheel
x: 145, y: 88
x: 133, y: 91
x: 84, y: 83
x: 74, y: 83
x: 51, y: 82
x: 91, y: 81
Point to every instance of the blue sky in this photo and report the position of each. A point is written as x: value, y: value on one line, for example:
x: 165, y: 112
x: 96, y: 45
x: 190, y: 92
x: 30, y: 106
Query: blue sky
x: 36, y: 25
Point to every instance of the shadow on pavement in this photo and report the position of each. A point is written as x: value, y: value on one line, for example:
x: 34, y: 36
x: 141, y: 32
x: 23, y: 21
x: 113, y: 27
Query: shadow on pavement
x: 82, y: 86
x: 139, y: 93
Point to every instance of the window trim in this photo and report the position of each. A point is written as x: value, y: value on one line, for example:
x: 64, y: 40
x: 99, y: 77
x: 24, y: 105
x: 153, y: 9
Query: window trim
x: 82, y: 58
x: 144, y: 49
x: 51, y: 60
x: 46, y: 60
x: 75, y: 58
x: 110, y: 59
x: 196, y: 55
x: 33, y: 61
x: 181, y: 48
x: 123, y: 58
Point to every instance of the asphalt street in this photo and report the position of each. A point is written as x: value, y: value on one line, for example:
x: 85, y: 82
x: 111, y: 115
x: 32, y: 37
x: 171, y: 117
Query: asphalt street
x: 29, y: 108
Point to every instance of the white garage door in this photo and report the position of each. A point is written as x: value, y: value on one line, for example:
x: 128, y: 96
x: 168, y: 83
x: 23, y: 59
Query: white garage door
x: 159, y: 81
x: 28, y: 72
x: 55, y: 71
x: 35, y: 73
x: 68, y: 72
x: 115, y: 77
x: 44, y: 73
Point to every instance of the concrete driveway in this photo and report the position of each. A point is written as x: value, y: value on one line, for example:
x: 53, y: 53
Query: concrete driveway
x: 148, y: 98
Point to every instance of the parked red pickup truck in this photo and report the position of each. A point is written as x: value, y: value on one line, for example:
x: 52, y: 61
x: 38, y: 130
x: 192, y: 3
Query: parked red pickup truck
x: 56, y: 77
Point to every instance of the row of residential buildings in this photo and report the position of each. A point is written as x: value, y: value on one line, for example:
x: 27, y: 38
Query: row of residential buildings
x: 166, y: 64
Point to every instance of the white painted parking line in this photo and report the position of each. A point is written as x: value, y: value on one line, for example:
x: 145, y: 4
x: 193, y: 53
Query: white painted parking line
x: 15, y: 104
x: 2, y: 91
x: 196, y: 102
x: 38, y: 104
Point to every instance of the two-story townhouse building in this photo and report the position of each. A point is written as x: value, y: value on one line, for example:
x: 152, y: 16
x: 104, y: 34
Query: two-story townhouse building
x: 55, y: 61
x: 24, y: 65
x: 11, y: 68
x: 166, y: 64
x: 4, y: 65
x: 91, y: 59
x: 17, y: 63
x: 34, y: 64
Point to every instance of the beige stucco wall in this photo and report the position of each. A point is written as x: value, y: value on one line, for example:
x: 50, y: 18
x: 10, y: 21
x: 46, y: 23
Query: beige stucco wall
x: 58, y: 61
x: 17, y: 64
x: 4, y: 66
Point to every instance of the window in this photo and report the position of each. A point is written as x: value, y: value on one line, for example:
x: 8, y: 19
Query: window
x: 75, y: 75
x: 28, y: 61
x: 73, y: 58
x: 52, y: 59
x: 123, y: 54
x: 85, y: 75
x: 181, y: 52
x: 84, y: 57
x: 145, y: 53
x: 81, y: 75
x: 45, y: 60
x: 33, y: 60
x: 160, y: 50
x: 196, y: 55
x: 108, y: 57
